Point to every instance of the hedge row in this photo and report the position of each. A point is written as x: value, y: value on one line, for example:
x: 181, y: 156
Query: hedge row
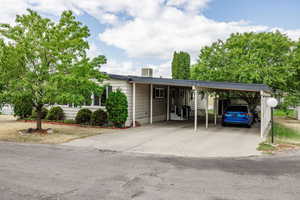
x: 97, y: 118
x: 116, y: 106
x: 83, y: 116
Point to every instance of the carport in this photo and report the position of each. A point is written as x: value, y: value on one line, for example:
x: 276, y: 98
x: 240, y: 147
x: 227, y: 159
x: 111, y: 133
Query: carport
x: 195, y: 89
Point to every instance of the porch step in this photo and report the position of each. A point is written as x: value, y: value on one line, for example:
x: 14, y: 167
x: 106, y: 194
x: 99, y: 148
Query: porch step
x: 173, y: 116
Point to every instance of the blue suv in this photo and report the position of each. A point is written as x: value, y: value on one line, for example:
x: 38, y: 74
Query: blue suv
x: 239, y: 114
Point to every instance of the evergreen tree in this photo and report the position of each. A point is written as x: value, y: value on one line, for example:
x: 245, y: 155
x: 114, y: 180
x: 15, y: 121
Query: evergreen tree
x: 181, y: 65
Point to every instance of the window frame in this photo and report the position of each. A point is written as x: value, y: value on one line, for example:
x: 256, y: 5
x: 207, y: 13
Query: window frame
x: 161, y: 93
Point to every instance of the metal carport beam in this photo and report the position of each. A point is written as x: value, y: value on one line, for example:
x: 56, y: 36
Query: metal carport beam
x: 196, y: 108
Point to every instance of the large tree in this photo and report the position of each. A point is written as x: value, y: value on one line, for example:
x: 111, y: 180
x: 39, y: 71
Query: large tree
x: 249, y: 58
x: 47, y: 61
x: 181, y: 65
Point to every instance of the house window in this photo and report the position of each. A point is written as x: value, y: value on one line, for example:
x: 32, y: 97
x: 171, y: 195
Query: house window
x: 104, y: 96
x: 88, y: 101
x: 96, y: 100
x: 159, y: 93
x: 99, y: 100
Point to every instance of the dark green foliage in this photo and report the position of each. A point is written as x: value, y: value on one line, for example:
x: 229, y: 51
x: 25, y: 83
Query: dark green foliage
x: 23, y: 107
x: 48, y: 60
x: 83, y: 116
x: 99, y: 117
x: 69, y: 121
x: 117, y: 108
x: 181, y: 65
x: 43, y: 114
x: 264, y: 57
x: 248, y: 58
x: 56, y: 113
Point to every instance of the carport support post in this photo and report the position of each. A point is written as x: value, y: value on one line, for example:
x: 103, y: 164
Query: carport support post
x: 151, y: 103
x: 216, y: 107
x: 262, y: 113
x: 196, y: 108
x: 206, y: 110
x: 133, y: 104
x: 168, y: 104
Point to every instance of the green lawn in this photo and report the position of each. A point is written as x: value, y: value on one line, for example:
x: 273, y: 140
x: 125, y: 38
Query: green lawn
x: 284, y: 137
x: 282, y: 113
x: 284, y: 133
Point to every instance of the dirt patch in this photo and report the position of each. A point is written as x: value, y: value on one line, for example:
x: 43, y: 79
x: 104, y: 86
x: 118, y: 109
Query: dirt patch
x: 9, y: 128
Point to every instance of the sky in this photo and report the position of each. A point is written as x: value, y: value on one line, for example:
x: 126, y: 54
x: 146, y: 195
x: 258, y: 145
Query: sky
x: 144, y: 33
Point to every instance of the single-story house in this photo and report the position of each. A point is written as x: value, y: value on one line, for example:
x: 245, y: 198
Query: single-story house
x: 161, y: 99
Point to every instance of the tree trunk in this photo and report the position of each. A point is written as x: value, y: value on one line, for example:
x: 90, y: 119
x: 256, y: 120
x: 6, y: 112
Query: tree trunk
x: 39, y: 118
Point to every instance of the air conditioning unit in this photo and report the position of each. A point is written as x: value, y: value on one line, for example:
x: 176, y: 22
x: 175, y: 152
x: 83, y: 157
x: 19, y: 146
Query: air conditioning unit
x: 147, y: 72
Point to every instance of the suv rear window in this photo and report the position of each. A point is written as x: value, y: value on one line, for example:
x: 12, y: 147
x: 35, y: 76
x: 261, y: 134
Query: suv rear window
x: 237, y: 109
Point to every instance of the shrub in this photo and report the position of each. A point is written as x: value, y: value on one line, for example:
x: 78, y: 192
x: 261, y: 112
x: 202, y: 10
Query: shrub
x: 69, y: 121
x: 23, y: 107
x: 117, y: 108
x: 99, y: 117
x: 83, y: 116
x: 56, y: 113
x: 44, y: 113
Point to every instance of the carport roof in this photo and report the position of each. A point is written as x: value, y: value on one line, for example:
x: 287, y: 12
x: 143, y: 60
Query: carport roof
x: 196, y: 83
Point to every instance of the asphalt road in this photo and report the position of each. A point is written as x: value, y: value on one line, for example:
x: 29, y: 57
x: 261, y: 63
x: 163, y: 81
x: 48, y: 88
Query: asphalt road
x: 53, y: 172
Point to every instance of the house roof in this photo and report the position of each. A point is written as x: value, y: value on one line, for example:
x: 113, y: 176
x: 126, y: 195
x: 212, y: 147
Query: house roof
x: 191, y: 83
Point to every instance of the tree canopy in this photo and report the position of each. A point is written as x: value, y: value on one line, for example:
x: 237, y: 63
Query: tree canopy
x: 47, y: 61
x: 181, y: 65
x: 266, y: 57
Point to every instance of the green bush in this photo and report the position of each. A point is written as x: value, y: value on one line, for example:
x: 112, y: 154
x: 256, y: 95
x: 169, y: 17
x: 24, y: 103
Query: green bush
x: 99, y: 117
x: 56, y: 113
x: 117, y: 108
x: 284, y: 112
x: 83, y: 116
x: 23, y: 107
x: 69, y: 121
x: 44, y: 113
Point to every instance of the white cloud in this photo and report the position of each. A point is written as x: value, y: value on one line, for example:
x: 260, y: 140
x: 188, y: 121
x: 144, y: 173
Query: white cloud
x: 94, y: 50
x: 116, y: 67
x: 9, y: 9
x: 172, y: 30
x: 189, y: 5
x: 131, y: 68
x: 151, y: 28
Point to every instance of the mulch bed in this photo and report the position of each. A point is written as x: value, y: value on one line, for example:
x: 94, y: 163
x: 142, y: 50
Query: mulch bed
x: 76, y: 125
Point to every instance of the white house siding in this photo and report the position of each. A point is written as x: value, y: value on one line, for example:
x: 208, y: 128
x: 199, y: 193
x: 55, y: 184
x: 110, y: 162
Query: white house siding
x: 142, y: 105
x: 70, y: 112
x: 298, y: 112
x: 7, y: 110
x: 124, y: 86
x: 200, y: 104
x: 160, y: 108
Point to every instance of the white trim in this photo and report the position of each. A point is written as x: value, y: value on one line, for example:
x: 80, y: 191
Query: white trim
x: 133, y: 104
x: 206, y: 110
x: 168, y: 104
x: 93, y: 99
x: 196, y: 108
x: 106, y: 92
x: 216, y: 109
x: 151, y: 103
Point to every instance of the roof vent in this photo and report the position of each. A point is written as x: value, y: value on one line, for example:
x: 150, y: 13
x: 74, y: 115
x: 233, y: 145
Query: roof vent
x: 147, y: 72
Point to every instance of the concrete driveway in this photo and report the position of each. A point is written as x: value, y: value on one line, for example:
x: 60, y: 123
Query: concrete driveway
x: 178, y: 139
